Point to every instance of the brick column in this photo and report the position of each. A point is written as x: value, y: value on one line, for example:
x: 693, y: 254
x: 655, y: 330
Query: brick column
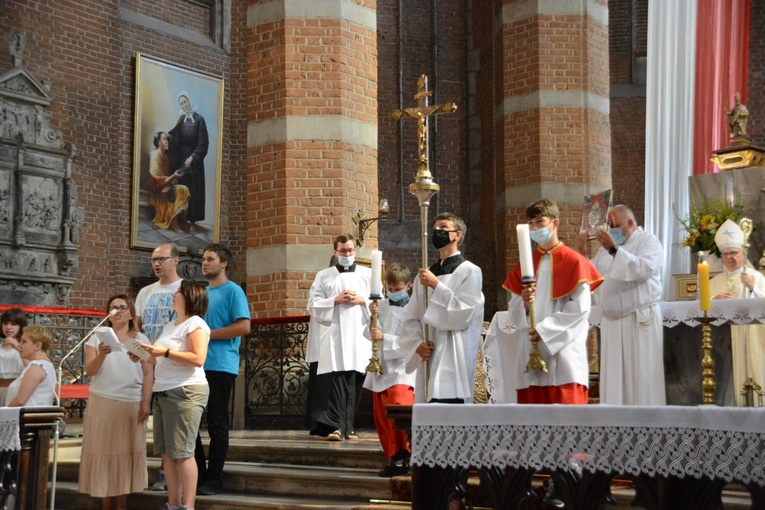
x: 555, y: 111
x: 555, y: 108
x: 312, y: 141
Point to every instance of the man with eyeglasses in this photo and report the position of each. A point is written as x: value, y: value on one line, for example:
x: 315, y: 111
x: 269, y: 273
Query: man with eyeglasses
x: 740, y: 280
x: 154, y: 306
x: 338, y: 302
x: 632, y: 343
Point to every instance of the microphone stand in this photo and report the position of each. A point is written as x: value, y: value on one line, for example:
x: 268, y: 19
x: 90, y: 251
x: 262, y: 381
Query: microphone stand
x: 58, y: 404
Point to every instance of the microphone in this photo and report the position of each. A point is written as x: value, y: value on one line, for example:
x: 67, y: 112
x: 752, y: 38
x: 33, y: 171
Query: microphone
x: 74, y: 349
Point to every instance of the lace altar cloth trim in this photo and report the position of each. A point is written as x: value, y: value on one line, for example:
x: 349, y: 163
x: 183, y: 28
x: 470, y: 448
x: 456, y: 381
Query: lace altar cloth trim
x: 714, y: 442
x: 726, y: 311
x: 9, y: 429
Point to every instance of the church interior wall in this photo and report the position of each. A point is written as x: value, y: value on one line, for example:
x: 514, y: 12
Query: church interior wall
x: 86, y: 51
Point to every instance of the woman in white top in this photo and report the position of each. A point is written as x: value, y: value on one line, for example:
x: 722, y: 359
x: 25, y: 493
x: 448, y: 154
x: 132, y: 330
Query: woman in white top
x: 34, y: 387
x: 13, y: 323
x: 180, y: 392
x: 113, y: 461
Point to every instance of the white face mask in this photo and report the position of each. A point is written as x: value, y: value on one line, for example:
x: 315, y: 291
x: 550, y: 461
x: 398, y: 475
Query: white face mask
x: 346, y: 261
x: 540, y: 235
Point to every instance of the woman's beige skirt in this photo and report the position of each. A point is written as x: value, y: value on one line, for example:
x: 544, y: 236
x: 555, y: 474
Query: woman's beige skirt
x: 113, y: 458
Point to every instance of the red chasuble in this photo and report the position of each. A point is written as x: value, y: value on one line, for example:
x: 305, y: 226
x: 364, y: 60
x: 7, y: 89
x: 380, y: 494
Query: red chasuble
x: 568, y: 268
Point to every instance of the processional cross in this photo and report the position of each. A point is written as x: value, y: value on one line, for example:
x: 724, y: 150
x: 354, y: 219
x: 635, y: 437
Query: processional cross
x: 423, y: 186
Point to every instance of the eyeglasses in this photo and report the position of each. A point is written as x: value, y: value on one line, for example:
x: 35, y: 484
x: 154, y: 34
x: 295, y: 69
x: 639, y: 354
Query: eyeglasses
x: 346, y: 252
x: 730, y: 255
x: 120, y: 308
x: 159, y: 260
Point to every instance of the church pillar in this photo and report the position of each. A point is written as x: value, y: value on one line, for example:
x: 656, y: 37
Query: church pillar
x: 554, y: 110
x: 311, y: 141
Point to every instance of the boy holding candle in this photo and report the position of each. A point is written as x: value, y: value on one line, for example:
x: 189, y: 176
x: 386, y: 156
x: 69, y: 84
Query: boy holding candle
x: 453, y: 316
x: 338, y: 301
x: 561, y: 297
x: 394, y: 385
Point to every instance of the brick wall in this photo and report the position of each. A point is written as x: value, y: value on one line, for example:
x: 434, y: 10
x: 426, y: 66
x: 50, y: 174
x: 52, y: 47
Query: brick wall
x: 87, y: 52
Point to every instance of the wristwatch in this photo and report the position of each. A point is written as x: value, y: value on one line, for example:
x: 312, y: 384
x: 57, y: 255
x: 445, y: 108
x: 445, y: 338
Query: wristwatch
x: 612, y: 250
x: 167, y: 353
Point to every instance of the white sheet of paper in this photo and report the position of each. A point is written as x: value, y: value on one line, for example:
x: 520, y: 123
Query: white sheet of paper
x: 106, y: 335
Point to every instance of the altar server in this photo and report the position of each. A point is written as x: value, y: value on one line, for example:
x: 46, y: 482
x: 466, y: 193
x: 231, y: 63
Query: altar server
x: 338, y: 301
x: 454, y: 318
x: 632, y: 354
x: 393, y: 386
x: 564, y: 279
x: 739, y: 280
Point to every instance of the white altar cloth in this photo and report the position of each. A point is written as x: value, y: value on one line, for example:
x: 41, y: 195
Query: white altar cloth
x: 726, y: 311
x: 9, y: 429
x: 725, y: 443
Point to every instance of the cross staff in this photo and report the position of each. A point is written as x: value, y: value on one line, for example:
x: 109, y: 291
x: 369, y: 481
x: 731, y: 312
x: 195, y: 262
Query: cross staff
x: 421, y: 112
x: 423, y: 186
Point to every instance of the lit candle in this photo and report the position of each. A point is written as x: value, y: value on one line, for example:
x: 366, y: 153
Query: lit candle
x: 704, y: 293
x: 524, y: 249
x: 376, y: 284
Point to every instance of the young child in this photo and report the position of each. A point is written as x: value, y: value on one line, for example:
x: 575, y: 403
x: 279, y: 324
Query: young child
x: 13, y: 322
x: 394, y: 386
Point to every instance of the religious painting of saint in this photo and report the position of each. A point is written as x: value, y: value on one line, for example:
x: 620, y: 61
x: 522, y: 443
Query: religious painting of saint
x: 595, y: 212
x: 177, y: 151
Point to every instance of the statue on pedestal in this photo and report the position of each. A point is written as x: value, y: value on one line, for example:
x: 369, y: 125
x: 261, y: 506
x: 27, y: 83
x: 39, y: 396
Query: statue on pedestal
x: 737, y: 118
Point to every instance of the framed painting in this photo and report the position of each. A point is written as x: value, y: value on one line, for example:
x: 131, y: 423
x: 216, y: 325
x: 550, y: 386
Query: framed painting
x: 595, y: 211
x: 177, y: 151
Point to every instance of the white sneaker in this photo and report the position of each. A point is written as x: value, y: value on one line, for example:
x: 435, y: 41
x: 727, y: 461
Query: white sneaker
x: 160, y: 484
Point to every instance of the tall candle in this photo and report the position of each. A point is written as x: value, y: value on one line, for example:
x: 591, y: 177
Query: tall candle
x: 376, y: 285
x: 524, y: 249
x: 704, y: 292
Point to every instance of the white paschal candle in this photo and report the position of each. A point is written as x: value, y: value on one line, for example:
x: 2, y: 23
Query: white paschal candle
x: 376, y: 285
x: 524, y: 250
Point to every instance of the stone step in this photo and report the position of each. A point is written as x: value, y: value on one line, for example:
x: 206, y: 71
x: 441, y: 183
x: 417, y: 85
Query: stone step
x: 299, y: 448
x: 274, y: 479
x: 67, y: 498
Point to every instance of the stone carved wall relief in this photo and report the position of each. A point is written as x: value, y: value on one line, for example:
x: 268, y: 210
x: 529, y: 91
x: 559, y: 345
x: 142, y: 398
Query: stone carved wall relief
x: 40, y: 221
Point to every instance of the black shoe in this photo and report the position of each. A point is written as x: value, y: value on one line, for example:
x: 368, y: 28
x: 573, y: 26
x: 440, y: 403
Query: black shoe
x: 552, y: 498
x: 210, y: 488
x: 396, y: 467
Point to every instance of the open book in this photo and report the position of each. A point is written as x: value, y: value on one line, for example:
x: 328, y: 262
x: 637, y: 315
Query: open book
x: 106, y: 335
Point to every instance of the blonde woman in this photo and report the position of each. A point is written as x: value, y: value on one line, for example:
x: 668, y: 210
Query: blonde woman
x: 34, y: 387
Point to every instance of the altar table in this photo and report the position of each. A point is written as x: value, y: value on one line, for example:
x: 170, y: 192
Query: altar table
x: 679, y: 456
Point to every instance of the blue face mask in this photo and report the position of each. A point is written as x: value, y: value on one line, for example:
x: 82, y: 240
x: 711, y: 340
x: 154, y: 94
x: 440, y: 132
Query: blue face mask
x: 346, y: 261
x: 398, y: 296
x: 618, y: 237
x: 540, y: 235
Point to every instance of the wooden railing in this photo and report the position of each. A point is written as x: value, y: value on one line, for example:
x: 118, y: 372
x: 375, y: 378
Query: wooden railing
x: 24, y: 473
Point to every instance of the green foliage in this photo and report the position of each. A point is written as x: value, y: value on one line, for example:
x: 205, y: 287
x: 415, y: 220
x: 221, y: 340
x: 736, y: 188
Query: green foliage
x: 701, y: 225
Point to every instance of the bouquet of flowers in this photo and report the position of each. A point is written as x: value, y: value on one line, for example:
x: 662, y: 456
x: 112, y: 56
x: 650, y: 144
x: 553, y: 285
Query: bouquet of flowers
x: 701, y: 225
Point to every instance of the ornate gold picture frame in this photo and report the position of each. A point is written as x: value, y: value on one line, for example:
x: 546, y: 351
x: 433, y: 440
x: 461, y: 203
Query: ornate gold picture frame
x: 177, y: 152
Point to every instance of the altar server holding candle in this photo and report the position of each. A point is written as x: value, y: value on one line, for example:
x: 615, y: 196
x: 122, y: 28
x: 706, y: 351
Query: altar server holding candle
x: 739, y: 280
x: 562, y: 303
x: 338, y: 301
x: 454, y: 318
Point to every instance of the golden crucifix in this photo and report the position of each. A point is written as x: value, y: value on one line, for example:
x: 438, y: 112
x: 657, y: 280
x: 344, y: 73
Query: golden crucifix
x: 423, y: 186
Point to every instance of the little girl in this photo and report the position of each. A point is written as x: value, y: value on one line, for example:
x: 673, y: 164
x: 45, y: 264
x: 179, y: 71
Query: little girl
x: 13, y: 323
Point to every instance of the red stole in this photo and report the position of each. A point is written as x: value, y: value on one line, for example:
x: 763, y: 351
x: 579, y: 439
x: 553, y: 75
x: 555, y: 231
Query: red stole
x: 568, y: 267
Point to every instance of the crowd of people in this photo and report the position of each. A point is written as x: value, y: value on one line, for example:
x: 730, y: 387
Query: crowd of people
x: 191, y: 334
x: 428, y: 333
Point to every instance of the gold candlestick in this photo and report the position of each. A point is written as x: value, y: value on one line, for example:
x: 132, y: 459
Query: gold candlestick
x: 535, y: 357
x: 374, y: 363
x: 707, y: 363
